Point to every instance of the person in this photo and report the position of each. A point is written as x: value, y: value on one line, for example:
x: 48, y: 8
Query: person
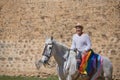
x: 80, y: 42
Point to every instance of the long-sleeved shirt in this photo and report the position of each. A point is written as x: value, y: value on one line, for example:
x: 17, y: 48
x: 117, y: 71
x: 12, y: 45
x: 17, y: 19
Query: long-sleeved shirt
x: 82, y: 43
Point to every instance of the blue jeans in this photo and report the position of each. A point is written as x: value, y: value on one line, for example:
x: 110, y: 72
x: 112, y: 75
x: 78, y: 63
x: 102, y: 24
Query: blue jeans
x: 79, y: 59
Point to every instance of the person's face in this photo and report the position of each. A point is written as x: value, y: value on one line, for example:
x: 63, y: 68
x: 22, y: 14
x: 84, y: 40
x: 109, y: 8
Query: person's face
x: 78, y: 31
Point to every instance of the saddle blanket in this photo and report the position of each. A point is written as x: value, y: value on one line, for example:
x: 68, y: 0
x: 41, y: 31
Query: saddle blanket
x: 90, y: 62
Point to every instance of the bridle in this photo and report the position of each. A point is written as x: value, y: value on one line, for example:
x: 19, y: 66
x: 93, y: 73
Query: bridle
x: 44, y: 53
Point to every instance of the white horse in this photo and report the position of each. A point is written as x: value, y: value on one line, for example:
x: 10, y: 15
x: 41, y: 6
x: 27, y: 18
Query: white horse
x: 66, y: 62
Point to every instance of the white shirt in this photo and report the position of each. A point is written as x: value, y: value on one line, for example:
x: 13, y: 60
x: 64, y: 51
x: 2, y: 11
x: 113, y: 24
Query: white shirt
x: 82, y: 43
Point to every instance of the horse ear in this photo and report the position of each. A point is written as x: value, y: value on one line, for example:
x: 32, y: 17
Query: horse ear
x: 51, y: 37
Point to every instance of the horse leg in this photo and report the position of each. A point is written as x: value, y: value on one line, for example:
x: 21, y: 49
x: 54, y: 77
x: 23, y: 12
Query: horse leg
x: 69, y: 77
x: 59, y: 78
x: 108, y: 77
x: 95, y: 76
x: 60, y: 73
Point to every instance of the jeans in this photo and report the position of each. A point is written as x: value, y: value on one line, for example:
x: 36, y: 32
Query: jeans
x: 79, y: 58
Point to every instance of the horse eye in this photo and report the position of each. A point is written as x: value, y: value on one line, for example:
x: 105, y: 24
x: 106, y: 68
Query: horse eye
x: 50, y: 47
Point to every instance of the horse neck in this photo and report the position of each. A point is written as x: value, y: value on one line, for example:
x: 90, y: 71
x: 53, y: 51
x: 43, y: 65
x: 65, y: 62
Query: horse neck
x: 59, y: 52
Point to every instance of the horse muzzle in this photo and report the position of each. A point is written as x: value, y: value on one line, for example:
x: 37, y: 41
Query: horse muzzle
x: 45, y: 60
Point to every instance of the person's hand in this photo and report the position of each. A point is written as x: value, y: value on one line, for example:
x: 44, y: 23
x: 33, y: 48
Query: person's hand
x: 75, y: 50
x: 84, y: 53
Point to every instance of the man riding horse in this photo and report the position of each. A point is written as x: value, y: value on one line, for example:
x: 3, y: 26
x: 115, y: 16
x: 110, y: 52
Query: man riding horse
x: 81, y: 42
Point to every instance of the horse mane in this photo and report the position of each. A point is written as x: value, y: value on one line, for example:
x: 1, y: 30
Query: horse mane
x: 60, y: 44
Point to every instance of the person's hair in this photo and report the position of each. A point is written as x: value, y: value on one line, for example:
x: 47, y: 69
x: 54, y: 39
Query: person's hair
x: 79, y: 26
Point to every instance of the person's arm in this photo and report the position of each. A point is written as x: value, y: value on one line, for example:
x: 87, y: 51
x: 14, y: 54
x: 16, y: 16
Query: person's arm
x: 88, y: 42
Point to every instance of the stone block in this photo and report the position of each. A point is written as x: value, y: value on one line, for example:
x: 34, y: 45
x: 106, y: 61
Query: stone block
x: 2, y: 59
x: 10, y: 58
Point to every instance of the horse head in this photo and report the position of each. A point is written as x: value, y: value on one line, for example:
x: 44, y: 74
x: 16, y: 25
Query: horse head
x: 47, y: 50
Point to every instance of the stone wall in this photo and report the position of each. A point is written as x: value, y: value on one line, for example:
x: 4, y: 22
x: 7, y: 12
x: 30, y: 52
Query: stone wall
x: 24, y: 25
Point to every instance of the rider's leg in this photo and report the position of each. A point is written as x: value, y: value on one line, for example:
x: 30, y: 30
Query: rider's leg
x: 78, y: 57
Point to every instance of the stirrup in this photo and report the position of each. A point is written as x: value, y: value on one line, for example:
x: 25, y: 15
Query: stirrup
x: 84, y: 73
